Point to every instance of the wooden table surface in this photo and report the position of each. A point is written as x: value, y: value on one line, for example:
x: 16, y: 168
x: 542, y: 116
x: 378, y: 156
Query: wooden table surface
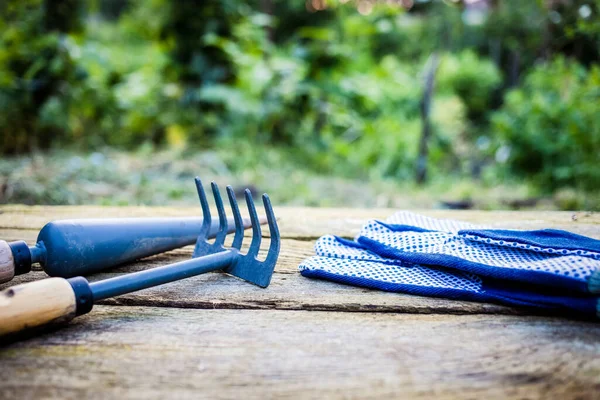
x: 213, y: 336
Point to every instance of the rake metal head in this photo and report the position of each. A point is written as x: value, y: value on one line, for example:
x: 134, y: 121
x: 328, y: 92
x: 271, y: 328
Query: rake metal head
x: 245, y: 266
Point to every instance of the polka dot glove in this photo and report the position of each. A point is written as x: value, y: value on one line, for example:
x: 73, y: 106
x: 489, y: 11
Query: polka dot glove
x: 414, y: 254
x: 548, y: 257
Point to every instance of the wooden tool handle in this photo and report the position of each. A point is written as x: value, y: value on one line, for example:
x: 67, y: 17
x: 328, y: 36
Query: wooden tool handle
x: 35, y: 304
x: 7, y: 262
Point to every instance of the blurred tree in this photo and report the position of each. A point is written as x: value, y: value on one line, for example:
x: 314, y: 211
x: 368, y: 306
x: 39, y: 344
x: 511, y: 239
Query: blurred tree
x: 573, y: 29
x: 190, y: 33
x: 422, y: 158
x: 36, y: 71
x: 550, y: 128
x: 335, y: 82
x: 472, y: 78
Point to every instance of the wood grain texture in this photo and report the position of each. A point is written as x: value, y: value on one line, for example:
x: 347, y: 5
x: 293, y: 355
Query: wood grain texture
x: 36, y: 303
x: 309, y: 223
x: 135, y: 353
x: 286, y: 292
x: 7, y: 265
x: 213, y: 336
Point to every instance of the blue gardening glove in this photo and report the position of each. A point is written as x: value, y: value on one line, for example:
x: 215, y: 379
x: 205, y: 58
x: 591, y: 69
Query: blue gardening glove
x: 559, y: 259
x: 348, y: 262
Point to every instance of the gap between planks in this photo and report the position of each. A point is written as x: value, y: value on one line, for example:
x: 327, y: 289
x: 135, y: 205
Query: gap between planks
x: 310, y: 223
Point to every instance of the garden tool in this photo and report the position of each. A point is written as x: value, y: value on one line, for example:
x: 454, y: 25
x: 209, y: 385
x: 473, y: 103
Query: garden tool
x: 74, y: 247
x: 376, y: 259
x: 57, y: 299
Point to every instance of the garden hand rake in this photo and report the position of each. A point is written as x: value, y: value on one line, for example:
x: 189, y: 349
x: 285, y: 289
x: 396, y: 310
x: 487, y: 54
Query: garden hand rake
x: 74, y: 247
x: 58, y: 300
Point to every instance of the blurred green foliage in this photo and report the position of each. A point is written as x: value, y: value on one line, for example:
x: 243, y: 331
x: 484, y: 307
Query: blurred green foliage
x: 337, y: 84
x: 473, y: 79
x: 550, y: 127
x: 37, y: 72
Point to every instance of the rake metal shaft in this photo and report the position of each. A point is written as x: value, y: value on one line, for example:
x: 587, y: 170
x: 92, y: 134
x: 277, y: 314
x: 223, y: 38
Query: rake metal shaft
x: 160, y: 275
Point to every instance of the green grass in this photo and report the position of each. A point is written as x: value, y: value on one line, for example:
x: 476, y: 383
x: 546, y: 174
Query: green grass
x: 149, y: 177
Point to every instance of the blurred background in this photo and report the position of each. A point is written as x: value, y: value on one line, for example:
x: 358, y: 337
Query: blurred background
x: 488, y: 104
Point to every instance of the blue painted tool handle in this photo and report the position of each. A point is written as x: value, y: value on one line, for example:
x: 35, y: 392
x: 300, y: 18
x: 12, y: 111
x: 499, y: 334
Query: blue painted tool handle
x: 76, y: 247
x: 80, y: 247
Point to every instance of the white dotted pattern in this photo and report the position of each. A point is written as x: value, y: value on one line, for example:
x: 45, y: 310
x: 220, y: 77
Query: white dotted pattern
x: 432, y: 224
x: 451, y: 226
x: 573, y: 266
x: 336, y: 258
x: 548, y: 250
x: 329, y: 246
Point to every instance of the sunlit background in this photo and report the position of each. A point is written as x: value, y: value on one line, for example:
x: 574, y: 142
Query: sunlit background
x: 490, y: 104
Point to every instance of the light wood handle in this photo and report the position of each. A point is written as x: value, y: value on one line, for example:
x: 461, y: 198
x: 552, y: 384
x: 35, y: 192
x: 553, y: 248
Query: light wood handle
x: 35, y: 304
x: 7, y: 263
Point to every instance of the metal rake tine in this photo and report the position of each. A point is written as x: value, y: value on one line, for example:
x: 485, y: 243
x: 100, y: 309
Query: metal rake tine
x: 237, y: 216
x: 205, y: 209
x: 273, y: 230
x: 256, y: 232
x: 220, y: 237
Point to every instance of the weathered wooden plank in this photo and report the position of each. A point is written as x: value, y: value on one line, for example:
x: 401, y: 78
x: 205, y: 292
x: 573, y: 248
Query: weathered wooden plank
x: 310, y: 223
x: 136, y: 352
x: 10, y: 235
x: 286, y: 292
x: 130, y: 352
x: 292, y: 253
